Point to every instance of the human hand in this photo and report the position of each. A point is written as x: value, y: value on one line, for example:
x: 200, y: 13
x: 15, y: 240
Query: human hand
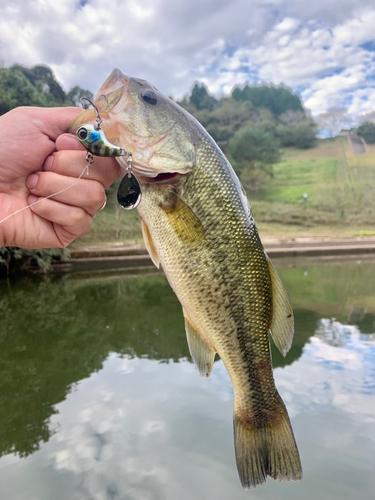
x: 38, y: 159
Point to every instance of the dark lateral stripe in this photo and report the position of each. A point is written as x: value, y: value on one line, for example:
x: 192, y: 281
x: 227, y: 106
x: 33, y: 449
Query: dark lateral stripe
x: 250, y: 351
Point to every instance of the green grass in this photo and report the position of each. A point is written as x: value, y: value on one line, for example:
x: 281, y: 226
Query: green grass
x: 340, y: 189
x: 293, y: 178
x: 113, y: 225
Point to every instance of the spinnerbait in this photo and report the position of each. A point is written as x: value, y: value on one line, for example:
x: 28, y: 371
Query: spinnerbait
x: 92, y: 137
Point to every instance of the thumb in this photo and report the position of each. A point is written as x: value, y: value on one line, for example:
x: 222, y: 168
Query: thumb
x: 55, y: 121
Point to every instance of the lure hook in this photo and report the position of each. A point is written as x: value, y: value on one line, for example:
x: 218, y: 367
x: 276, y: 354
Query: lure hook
x: 98, y: 119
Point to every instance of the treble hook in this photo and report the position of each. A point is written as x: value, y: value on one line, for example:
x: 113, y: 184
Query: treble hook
x: 98, y: 119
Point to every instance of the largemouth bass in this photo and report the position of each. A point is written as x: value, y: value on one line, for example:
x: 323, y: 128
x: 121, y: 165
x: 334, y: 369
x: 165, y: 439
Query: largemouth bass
x: 197, y: 224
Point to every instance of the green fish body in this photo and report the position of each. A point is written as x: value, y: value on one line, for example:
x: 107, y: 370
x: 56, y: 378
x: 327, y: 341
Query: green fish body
x: 197, y: 224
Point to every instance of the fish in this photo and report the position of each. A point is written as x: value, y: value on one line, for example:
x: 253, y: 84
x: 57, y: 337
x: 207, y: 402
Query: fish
x: 197, y: 224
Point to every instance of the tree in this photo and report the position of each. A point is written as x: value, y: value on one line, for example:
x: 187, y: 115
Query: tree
x: 37, y: 86
x: 201, y: 99
x: 17, y: 90
x: 43, y: 78
x: 277, y: 99
x: 300, y: 135
x: 367, y: 131
x: 333, y: 120
x: 73, y: 97
x: 252, y: 151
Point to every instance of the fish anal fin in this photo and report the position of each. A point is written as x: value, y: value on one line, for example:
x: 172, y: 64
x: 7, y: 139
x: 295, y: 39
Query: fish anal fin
x: 183, y: 221
x: 267, y: 449
x: 149, y: 243
x: 202, y: 354
x: 282, y: 322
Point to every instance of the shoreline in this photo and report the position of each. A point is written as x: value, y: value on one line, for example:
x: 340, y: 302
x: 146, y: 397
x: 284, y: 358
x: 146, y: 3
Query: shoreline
x: 131, y: 258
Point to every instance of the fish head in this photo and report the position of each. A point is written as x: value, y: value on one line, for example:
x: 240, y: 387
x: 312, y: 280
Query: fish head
x: 137, y: 117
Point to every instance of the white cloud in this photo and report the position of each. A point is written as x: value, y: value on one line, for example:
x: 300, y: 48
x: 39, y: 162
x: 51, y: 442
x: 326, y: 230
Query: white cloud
x: 142, y: 429
x: 316, y: 48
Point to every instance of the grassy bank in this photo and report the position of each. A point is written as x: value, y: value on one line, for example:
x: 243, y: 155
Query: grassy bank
x: 340, y: 189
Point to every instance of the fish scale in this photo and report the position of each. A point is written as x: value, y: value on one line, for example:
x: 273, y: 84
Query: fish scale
x: 230, y: 271
x: 197, y: 223
x: 247, y: 303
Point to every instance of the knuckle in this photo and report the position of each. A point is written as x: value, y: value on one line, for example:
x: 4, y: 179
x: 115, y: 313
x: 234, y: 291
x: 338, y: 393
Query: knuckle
x: 80, y: 223
x: 77, y: 217
x: 96, y: 194
x: 109, y: 169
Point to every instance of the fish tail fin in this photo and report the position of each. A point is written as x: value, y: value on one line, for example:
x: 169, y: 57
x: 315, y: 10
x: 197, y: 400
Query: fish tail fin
x: 268, y: 450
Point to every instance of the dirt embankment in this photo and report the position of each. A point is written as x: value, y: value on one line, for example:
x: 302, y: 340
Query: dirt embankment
x: 134, y: 257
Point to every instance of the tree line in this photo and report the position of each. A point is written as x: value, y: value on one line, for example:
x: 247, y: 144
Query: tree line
x: 251, y: 125
x: 36, y: 86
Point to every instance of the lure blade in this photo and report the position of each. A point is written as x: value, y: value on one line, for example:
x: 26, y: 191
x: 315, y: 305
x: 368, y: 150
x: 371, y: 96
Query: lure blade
x: 129, y: 192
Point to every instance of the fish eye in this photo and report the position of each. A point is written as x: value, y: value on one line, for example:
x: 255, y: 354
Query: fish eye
x: 150, y: 97
x: 82, y: 133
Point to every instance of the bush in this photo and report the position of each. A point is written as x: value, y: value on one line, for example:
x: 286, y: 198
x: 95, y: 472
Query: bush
x: 299, y: 135
x: 252, y: 151
x: 250, y: 145
x: 12, y: 258
x: 367, y: 131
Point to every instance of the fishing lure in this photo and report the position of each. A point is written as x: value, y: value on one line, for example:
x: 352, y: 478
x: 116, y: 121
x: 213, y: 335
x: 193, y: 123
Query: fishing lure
x: 93, y: 138
x: 95, y: 141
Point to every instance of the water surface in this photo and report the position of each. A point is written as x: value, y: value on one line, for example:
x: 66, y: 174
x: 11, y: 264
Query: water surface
x: 99, y: 398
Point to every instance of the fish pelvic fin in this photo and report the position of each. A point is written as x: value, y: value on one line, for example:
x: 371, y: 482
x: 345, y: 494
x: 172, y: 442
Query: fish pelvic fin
x: 149, y: 244
x: 266, y: 450
x: 202, y: 354
x: 282, y: 321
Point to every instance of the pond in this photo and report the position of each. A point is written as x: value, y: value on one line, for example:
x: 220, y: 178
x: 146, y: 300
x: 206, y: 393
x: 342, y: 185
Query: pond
x: 99, y: 398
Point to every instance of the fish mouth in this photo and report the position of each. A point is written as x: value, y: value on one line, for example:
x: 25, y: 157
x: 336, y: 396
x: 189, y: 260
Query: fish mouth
x: 165, y: 177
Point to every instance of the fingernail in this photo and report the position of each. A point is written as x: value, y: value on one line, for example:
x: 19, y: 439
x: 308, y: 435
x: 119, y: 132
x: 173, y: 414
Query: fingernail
x: 48, y: 163
x: 32, y: 181
x: 71, y: 142
x: 32, y: 199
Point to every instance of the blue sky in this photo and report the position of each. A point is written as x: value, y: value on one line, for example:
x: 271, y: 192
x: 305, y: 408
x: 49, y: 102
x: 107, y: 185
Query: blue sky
x: 324, y: 50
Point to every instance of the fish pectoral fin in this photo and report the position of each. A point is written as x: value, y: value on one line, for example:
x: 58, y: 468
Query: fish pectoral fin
x: 202, y: 354
x: 183, y: 220
x: 282, y: 322
x: 149, y: 243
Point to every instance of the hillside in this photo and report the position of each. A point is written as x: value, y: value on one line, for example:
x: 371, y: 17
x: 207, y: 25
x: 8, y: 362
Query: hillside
x: 339, y: 185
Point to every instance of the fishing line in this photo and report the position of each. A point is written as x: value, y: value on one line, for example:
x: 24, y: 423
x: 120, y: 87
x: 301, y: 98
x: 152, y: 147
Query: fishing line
x: 95, y: 142
x: 86, y: 168
x: 50, y: 196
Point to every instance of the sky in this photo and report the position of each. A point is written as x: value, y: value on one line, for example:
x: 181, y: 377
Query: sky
x: 323, y: 49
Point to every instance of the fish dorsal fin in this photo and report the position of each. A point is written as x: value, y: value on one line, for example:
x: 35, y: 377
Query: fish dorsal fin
x: 183, y: 220
x: 149, y: 243
x: 282, y: 322
x: 202, y: 354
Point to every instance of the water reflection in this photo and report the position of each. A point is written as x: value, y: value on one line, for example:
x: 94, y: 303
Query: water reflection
x: 56, y: 332
x: 98, y: 370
